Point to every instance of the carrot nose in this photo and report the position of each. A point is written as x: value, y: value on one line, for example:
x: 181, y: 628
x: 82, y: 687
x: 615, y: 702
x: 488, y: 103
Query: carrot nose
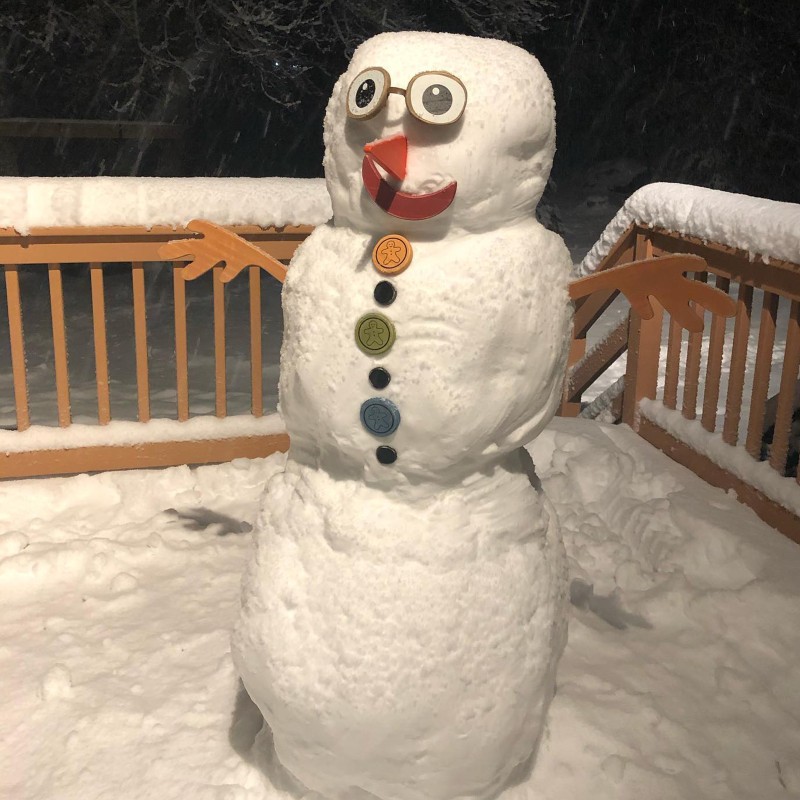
x: 391, y: 154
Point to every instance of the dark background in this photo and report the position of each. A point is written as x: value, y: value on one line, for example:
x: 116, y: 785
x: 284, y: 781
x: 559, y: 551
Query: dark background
x: 699, y: 91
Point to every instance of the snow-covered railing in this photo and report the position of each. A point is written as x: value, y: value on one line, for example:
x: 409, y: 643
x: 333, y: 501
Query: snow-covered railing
x: 111, y: 226
x: 724, y: 403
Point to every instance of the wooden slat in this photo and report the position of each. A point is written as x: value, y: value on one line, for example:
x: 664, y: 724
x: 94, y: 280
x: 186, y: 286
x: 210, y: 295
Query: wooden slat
x: 220, y: 380
x: 141, y: 456
x: 181, y: 345
x: 691, y: 376
x: 641, y: 375
x: 577, y: 350
x: 590, y: 310
x: 777, y: 276
x: 140, y: 339
x: 789, y: 375
x: 716, y: 343
x: 760, y: 387
x: 100, y: 344
x: 145, y: 232
x: 18, y: 370
x: 644, y: 345
x: 59, y: 344
x: 741, y: 334
x: 771, y: 512
x: 126, y: 244
x: 256, y: 357
x: 599, y: 360
x: 672, y: 369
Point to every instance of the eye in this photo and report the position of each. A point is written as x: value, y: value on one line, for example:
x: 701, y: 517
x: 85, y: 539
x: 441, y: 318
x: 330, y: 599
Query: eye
x: 436, y: 97
x: 367, y: 93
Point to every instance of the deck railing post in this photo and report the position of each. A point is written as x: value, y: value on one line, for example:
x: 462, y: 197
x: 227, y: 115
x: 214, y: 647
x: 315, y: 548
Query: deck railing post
x: 181, y: 342
x: 59, y: 344
x: 644, y: 346
x: 17, y: 337
x: 100, y: 344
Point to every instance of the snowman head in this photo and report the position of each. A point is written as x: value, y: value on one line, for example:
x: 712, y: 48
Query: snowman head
x: 434, y: 133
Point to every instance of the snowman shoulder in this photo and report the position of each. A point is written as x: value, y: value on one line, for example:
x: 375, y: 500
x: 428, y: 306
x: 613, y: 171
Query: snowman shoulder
x: 328, y: 248
x: 523, y: 252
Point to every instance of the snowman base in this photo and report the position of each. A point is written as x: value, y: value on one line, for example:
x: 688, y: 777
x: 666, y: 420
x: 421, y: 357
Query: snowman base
x: 280, y: 783
x: 403, y: 644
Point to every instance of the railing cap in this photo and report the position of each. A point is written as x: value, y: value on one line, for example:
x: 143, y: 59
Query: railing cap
x: 27, y: 203
x: 765, y: 228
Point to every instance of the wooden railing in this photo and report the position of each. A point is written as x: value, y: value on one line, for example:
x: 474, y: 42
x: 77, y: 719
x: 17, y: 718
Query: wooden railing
x: 671, y: 383
x: 136, y: 249
x: 661, y: 367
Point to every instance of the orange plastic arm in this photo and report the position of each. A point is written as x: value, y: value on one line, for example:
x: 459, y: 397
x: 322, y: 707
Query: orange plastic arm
x: 217, y: 246
x: 662, y: 278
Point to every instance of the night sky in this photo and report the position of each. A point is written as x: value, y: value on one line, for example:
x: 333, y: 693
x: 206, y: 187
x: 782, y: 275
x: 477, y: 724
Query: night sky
x: 705, y: 93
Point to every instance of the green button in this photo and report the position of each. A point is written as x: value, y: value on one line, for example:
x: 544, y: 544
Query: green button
x: 375, y: 334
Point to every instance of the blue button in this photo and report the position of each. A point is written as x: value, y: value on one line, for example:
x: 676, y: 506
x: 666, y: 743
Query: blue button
x: 380, y: 416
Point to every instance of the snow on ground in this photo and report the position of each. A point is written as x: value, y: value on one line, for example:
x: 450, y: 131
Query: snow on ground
x: 681, y: 678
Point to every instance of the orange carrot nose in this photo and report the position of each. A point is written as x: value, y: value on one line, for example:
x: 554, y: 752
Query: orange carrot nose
x: 391, y: 154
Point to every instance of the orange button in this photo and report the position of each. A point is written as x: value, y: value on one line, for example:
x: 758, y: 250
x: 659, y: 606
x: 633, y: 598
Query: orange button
x: 392, y: 254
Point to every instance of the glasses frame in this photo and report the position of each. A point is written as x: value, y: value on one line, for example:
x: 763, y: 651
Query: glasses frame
x: 389, y: 89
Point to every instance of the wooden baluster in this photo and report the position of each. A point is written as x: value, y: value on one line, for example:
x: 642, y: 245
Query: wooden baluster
x: 256, y: 363
x: 760, y: 388
x: 181, y: 345
x: 18, y: 371
x: 786, y: 395
x: 644, y: 349
x: 714, y: 364
x: 674, y: 344
x: 691, y: 378
x: 741, y: 334
x: 59, y: 344
x: 140, y: 338
x: 100, y: 344
x: 220, y: 381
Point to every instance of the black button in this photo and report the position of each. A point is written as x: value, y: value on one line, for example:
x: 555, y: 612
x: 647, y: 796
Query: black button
x: 379, y: 377
x: 386, y: 454
x: 385, y: 293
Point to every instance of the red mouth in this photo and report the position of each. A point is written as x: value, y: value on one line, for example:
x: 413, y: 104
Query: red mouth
x: 391, y: 155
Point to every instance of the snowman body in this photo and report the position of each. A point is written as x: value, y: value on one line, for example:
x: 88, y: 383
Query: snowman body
x: 402, y: 622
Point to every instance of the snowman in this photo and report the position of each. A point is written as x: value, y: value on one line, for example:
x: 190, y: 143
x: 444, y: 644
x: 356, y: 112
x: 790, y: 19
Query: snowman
x: 405, y: 608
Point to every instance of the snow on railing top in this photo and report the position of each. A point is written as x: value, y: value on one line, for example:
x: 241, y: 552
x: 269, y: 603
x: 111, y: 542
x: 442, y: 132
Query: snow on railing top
x: 761, y: 227
x: 27, y: 203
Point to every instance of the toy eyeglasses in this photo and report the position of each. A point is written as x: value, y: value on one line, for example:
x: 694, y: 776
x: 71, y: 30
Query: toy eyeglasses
x: 437, y: 98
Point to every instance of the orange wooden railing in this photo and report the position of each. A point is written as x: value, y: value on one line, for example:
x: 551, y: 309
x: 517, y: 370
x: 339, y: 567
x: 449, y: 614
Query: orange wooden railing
x: 777, y: 284
x: 137, y: 249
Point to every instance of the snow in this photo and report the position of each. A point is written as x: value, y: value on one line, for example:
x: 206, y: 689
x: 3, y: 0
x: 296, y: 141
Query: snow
x: 119, y: 590
x: 735, y: 459
x: 499, y: 153
x: 120, y: 433
x: 448, y: 561
x: 27, y: 203
x: 765, y: 228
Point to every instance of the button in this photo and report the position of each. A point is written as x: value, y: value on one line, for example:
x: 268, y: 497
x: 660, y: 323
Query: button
x: 392, y: 254
x: 386, y: 454
x: 380, y: 416
x: 379, y: 377
x: 375, y: 334
x: 384, y: 293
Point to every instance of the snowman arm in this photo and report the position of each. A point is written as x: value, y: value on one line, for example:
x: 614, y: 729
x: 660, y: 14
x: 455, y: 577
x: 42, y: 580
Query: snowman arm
x: 218, y: 246
x: 662, y: 278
